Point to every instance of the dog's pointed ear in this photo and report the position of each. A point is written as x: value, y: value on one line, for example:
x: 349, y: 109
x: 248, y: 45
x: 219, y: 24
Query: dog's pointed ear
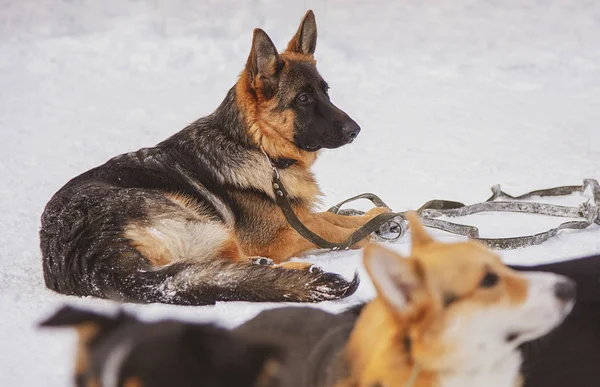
x: 305, y: 40
x: 396, y: 278
x: 419, y: 236
x: 68, y: 316
x: 263, y: 62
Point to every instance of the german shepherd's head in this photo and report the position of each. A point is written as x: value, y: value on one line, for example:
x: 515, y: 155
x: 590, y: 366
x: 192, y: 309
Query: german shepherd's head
x: 284, y: 99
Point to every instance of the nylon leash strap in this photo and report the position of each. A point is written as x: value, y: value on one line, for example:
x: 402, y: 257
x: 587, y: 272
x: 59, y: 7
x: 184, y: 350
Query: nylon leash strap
x: 588, y: 212
x: 281, y: 198
x: 500, y: 201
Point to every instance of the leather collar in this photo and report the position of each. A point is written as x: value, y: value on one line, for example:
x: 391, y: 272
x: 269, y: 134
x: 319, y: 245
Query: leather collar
x: 283, y: 163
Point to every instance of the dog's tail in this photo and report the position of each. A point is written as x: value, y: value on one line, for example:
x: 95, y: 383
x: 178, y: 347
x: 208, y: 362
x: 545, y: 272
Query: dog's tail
x: 203, y: 283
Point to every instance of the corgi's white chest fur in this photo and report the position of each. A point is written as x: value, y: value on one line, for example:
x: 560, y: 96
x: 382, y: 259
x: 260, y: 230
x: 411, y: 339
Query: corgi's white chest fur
x: 503, y: 374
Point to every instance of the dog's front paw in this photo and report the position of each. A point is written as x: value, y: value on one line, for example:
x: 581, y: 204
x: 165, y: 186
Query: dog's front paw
x: 304, y: 266
x: 390, y: 227
x: 262, y: 261
x: 391, y: 230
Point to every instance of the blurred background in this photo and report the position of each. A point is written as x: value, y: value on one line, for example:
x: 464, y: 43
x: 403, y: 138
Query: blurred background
x: 452, y: 97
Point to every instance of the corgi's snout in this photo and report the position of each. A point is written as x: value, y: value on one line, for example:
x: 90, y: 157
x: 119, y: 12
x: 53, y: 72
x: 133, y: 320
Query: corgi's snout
x: 550, y: 298
x: 565, y: 290
x: 550, y: 284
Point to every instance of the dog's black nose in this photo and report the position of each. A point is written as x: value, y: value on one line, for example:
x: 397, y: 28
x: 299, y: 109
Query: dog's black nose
x: 565, y: 290
x: 350, y: 129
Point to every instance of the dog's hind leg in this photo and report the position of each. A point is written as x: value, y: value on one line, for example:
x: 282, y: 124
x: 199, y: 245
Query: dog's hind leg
x: 214, y: 268
x: 140, y: 246
x: 285, y: 265
x: 297, y: 266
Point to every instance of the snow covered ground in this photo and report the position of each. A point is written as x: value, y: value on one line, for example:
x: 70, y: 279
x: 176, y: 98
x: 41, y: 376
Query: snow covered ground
x: 452, y: 97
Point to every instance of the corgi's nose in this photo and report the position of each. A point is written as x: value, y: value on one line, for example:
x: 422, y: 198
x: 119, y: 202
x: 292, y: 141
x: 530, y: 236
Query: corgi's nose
x: 565, y: 290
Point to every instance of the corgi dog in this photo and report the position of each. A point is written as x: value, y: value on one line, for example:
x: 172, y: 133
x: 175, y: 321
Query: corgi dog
x: 448, y: 315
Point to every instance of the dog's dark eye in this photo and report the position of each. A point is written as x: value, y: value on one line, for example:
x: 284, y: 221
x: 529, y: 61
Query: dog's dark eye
x: 449, y: 299
x: 303, y: 98
x: 489, y: 280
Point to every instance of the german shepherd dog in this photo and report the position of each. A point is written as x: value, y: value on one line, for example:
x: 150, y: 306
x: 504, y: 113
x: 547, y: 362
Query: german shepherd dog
x: 184, y: 221
x: 448, y: 315
x: 123, y: 351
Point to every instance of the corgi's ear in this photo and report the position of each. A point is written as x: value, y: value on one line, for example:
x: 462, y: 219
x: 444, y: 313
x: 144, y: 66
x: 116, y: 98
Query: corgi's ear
x: 305, y: 40
x: 419, y: 236
x: 396, y: 278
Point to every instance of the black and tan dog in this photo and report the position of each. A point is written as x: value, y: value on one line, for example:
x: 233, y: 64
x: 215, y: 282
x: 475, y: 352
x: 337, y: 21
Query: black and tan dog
x: 123, y: 351
x: 182, y: 222
x: 567, y: 356
x: 449, y: 315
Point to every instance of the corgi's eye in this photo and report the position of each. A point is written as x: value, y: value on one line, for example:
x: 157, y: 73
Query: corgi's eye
x: 449, y: 299
x: 489, y: 280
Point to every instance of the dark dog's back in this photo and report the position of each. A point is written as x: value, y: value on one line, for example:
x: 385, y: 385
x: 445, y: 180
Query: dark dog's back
x: 196, y: 355
x: 123, y: 351
x: 311, y: 338
x: 570, y: 355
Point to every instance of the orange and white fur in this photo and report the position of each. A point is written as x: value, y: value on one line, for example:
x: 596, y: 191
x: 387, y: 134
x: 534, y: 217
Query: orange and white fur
x: 449, y: 315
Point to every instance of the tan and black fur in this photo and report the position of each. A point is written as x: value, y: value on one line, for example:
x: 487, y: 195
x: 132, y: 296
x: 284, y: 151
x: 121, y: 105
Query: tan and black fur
x: 448, y: 315
x: 183, y: 222
x: 123, y: 351
x: 314, y: 340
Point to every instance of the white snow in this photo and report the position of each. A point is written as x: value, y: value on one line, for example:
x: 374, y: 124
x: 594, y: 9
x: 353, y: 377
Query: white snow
x: 452, y: 97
